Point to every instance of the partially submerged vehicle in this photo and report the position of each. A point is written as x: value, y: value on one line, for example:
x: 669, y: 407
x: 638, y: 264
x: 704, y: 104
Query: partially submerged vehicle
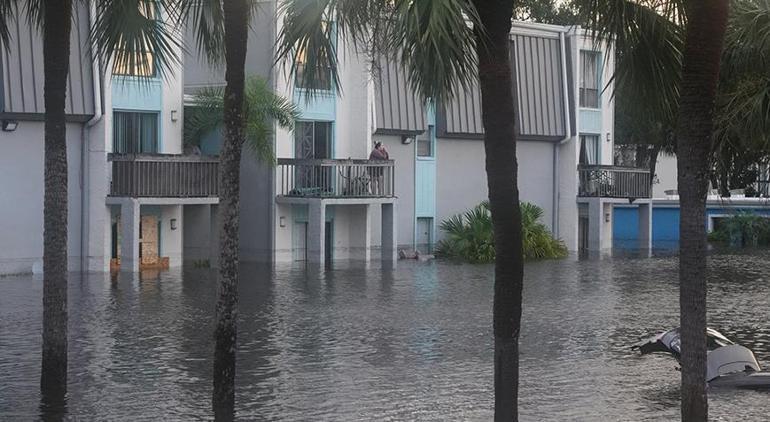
x: 728, y: 364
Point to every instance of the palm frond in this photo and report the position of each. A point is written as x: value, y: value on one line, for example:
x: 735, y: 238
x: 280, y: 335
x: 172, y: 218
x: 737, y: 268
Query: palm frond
x: 433, y: 40
x: 135, y: 35
x: 648, y: 36
x: 206, y: 18
x: 262, y: 107
x: 7, y: 17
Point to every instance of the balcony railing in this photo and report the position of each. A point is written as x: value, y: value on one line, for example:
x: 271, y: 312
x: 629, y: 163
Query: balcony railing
x: 614, y: 182
x: 164, y: 175
x: 336, y: 178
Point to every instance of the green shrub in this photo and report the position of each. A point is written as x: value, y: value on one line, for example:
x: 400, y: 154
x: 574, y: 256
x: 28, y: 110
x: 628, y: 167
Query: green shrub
x: 743, y: 229
x: 470, y: 237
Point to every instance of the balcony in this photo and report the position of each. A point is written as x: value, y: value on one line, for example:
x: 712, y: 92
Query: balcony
x: 164, y: 176
x: 614, y: 182
x: 325, y: 178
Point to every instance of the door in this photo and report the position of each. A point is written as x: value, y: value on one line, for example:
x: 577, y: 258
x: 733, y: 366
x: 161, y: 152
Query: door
x: 329, y: 242
x: 299, y: 246
x: 313, y: 141
x: 424, y: 235
x: 149, y: 245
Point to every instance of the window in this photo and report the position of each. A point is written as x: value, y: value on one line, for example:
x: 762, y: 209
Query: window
x: 134, y: 132
x: 425, y: 143
x: 141, y: 63
x: 589, y: 149
x: 323, y: 80
x: 589, y: 79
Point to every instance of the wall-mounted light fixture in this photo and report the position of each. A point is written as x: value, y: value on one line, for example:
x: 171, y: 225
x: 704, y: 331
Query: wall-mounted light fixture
x: 608, y: 136
x: 407, y: 139
x: 607, y: 217
x: 173, y: 224
x: 282, y: 221
x: 174, y: 115
x: 10, y: 125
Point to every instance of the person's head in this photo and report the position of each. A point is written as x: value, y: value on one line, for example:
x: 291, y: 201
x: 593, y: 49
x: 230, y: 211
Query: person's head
x: 378, y: 145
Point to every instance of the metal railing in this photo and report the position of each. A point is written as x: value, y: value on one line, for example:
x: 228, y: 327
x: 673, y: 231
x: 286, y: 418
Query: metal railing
x: 614, y: 182
x: 325, y: 178
x: 164, y: 175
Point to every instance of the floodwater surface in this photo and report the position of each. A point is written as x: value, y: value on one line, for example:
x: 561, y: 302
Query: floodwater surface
x: 357, y: 342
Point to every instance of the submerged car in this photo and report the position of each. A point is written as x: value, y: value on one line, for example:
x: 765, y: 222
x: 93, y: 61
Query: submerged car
x: 728, y: 364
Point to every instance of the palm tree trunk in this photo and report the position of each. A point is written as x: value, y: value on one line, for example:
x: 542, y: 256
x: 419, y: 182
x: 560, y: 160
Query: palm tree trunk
x: 236, y: 14
x: 493, y: 49
x: 706, y: 24
x: 56, y: 53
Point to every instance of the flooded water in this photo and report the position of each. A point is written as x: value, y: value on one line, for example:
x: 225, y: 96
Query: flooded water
x: 361, y: 343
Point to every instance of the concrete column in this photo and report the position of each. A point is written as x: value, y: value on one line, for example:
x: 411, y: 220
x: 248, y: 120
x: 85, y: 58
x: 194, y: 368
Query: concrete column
x: 214, y: 236
x: 595, y: 224
x: 645, y: 225
x: 129, y: 235
x: 389, y: 237
x: 316, y: 236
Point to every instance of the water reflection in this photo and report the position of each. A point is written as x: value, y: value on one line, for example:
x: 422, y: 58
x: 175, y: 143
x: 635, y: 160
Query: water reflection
x: 356, y: 342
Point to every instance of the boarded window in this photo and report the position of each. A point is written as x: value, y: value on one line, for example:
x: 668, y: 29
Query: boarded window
x: 589, y: 79
x: 134, y: 133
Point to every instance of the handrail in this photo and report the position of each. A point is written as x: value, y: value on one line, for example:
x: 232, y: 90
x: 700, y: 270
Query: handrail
x: 336, y: 178
x: 164, y: 175
x: 162, y: 157
x: 605, y: 181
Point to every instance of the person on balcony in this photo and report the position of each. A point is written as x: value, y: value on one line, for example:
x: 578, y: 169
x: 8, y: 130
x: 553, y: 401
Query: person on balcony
x: 379, y: 153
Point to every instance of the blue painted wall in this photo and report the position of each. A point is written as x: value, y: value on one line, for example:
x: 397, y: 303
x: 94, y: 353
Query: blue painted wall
x: 665, y: 221
x: 134, y: 94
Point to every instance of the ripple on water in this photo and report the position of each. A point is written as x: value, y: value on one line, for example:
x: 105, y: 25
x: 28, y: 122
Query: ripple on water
x: 361, y: 343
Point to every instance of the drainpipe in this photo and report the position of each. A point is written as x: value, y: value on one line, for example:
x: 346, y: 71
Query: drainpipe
x: 567, y: 137
x: 85, y: 182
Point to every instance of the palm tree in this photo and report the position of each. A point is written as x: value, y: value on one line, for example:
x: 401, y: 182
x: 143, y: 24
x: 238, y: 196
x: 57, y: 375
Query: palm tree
x: 706, y: 24
x: 128, y: 30
x: 56, y: 52
x: 442, y: 45
x: 262, y: 107
x: 634, y: 25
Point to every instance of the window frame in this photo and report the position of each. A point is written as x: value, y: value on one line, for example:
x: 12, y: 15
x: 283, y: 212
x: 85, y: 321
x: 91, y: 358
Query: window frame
x: 158, y: 131
x: 597, y: 55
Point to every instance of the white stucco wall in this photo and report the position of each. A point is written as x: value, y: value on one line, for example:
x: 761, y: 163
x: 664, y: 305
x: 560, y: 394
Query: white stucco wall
x: 666, y: 171
x: 22, y: 192
x: 171, y: 239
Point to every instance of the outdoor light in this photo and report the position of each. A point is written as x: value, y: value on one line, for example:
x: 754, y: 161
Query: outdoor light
x: 608, y: 136
x: 174, y: 116
x: 406, y: 140
x: 10, y: 125
x: 282, y: 221
x: 173, y: 224
x: 607, y: 217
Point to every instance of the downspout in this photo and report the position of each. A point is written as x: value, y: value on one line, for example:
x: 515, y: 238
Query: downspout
x: 567, y: 137
x: 85, y: 182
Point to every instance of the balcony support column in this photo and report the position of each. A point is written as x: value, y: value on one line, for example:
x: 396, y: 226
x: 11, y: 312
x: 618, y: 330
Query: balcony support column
x: 129, y: 235
x: 645, y: 225
x: 316, y: 233
x: 389, y: 238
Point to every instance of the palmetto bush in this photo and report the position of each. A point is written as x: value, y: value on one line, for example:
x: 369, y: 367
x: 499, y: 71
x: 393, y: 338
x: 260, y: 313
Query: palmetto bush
x: 469, y: 236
